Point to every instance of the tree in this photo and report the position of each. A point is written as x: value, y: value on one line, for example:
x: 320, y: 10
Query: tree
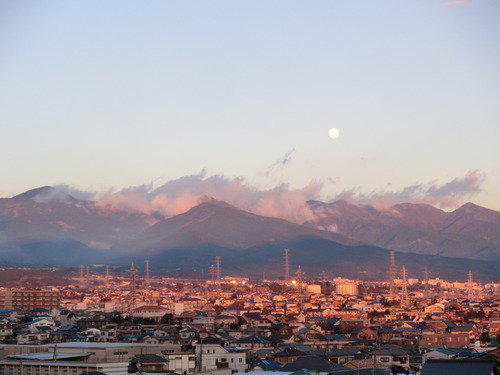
x: 167, y: 318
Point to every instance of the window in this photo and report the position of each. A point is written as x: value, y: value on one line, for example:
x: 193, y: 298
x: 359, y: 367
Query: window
x: 384, y: 359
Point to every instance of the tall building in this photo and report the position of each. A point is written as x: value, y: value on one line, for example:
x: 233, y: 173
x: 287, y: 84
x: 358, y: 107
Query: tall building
x: 29, y: 299
x: 346, y: 287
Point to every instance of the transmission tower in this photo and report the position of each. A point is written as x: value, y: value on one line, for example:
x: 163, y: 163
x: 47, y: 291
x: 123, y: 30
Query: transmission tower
x: 132, y: 287
x: 392, y: 273
x: 286, y: 263
x: 299, y: 279
x: 147, y: 274
x: 469, y: 285
x: 404, y: 291
x: 426, y: 278
x: 217, y: 267
x: 212, y: 272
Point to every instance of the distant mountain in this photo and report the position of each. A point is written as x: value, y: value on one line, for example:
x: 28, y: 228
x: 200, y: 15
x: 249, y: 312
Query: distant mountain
x: 470, y: 231
x: 219, y: 224
x: 47, y: 227
x: 47, y: 214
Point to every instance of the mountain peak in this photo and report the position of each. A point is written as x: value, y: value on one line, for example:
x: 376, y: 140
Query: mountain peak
x: 32, y: 193
x: 477, y: 212
x: 208, y: 200
x: 46, y: 194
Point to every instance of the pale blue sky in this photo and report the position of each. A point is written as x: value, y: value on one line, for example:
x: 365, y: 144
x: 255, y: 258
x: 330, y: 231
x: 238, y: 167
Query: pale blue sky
x: 112, y: 94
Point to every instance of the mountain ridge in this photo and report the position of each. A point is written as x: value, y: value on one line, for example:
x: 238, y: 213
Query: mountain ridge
x: 34, y: 229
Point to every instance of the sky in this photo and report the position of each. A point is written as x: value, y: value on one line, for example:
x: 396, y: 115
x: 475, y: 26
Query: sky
x: 142, y: 101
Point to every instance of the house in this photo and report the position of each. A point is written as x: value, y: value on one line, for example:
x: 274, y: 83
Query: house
x: 253, y: 342
x: 393, y: 356
x: 444, y: 340
x: 41, y: 322
x: 148, y: 363
x: 213, y: 357
x: 438, y: 354
x: 342, y: 356
x: 149, y: 312
x: 288, y: 355
x: 313, y: 363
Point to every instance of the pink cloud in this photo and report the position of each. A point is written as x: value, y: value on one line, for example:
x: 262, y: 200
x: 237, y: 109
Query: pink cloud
x: 447, y: 195
x: 178, y: 196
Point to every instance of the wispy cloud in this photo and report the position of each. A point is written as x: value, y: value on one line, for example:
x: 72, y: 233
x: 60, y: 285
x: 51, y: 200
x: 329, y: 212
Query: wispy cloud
x: 281, y: 163
x: 446, y: 195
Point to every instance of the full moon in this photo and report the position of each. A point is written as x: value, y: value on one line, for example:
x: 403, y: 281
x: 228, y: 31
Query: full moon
x: 333, y: 133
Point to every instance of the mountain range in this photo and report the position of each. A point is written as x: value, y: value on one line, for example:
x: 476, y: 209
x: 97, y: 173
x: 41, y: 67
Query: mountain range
x: 44, y: 226
x: 470, y: 231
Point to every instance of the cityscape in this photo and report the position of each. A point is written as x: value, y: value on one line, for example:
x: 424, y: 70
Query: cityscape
x: 250, y: 187
x: 103, y: 321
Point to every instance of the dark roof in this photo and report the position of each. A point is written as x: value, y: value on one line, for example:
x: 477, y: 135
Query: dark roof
x: 459, y: 367
x: 253, y: 339
x: 290, y: 352
x: 341, y: 352
x: 268, y: 365
x: 150, y: 358
x: 212, y: 340
x: 391, y: 351
x: 313, y: 363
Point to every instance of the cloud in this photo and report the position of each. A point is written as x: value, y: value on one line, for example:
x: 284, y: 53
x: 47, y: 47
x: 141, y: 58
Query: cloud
x: 448, y: 195
x: 281, y: 163
x: 178, y: 196
x: 63, y: 193
x: 455, y: 4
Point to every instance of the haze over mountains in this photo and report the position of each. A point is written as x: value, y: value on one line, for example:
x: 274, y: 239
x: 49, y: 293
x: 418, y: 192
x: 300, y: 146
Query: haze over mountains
x: 46, y: 226
x: 470, y: 231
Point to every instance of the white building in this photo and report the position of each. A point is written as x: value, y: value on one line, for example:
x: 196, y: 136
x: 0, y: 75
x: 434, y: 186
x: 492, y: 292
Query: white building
x: 213, y: 357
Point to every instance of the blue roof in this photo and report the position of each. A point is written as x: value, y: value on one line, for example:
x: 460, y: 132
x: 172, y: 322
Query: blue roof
x: 267, y: 364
